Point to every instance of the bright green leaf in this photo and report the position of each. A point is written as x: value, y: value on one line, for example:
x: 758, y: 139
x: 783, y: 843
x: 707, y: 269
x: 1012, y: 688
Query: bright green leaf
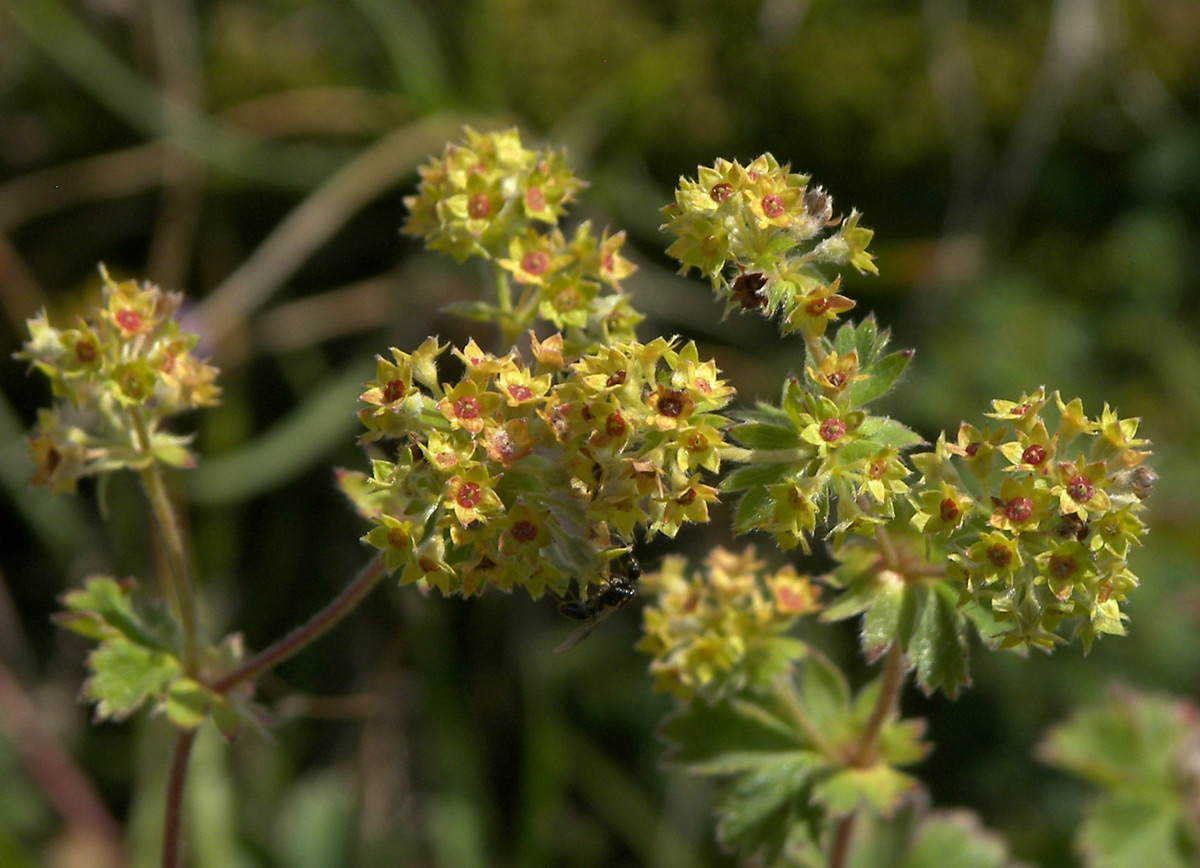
x: 124, y: 675
x: 881, y: 377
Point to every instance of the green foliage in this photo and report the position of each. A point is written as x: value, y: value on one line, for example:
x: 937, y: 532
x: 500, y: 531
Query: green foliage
x: 1140, y: 751
x: 137, y: 659
x: 789, y: 759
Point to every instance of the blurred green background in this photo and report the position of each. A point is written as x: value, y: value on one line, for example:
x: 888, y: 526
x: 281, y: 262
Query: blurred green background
x: 1031, y: 169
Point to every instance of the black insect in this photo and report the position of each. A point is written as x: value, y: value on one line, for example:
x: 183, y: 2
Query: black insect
x: 599, y: 606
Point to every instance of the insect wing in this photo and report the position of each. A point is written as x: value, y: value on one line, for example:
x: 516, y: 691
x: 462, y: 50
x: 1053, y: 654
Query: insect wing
x: 584, y: 630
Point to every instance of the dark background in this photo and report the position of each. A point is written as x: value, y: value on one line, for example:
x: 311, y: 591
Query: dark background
x: 1031, y: 170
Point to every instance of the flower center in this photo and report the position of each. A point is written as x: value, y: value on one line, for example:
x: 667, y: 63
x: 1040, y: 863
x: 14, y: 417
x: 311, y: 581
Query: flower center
x: 469, y: 495
x: 524, y: 531
x: 466, y: 408
x: 393, y: 391
x: 832, y: 430
x: 948, y: 509
x: 1080, y: 488
x: 479, y: 206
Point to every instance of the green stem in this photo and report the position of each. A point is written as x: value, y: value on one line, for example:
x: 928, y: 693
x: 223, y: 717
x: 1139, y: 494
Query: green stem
x: 866, y: 751
x: 767, y: 456
x: 310, y: 631
x: 510, y: 327
x: 180, y: 593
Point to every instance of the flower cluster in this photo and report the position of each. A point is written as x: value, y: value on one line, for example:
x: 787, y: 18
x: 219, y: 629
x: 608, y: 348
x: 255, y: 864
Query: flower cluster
x: 721, y: 630
x: 820, y: 458
x: 1041, y: 524
x: 115, y: 377
x: 536, y: 475
x: 488, y: 196
x: 759, y: 233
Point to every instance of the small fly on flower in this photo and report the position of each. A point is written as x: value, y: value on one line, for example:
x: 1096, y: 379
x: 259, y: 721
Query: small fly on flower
x: 597, y: 608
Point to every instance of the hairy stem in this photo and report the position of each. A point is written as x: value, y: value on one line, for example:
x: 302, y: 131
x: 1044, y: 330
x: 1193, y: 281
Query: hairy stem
x: 868, y: 746
x: 767, y: 456
x: 310, y: 631
x: 173, y: 823
x: 181, y: 594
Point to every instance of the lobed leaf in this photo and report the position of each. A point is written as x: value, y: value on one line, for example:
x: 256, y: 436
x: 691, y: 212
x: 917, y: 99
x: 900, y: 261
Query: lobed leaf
x: 125, y: 675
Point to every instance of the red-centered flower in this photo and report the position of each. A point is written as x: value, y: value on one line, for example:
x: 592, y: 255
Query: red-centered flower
x: 479, y: 206
x: 670, y: 408
x: 832, y: 430
x: 1080, y: 487
x: 721, y: 192
x: 995, y: 556
x: 86, y: 351
x: 470, y: 496
x: 525, y: 533
x: 813, y: 312
x: 535, y: 200
x: 1021, y: 505
x: 465, y: 406
x: 519, y: 387
x: 940, y: 509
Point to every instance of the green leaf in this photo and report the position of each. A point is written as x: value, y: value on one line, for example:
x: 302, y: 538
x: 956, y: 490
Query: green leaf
x: 758, y: 813
x: 881, y: 431
x: 825, y: 697
x: 762, y: 435
x: 187, y: 703
x: 1128, y: 830
x: 125, y: 675
x: 757, y: 475
x: 878, y: 787
x: 1131, y: 739
x: 889, y: 618
x: 728, y: 737
x: 938, y: 648
x: 104, y: 608
x: 225, y: 715
x: 753, y: 510
x: 765, y: 414
x: 955, y: 839
x: 881, y: 377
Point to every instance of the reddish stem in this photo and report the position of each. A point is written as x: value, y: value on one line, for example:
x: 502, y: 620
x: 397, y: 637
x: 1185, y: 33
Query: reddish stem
x: 172, y: 825
x: 314, y: 628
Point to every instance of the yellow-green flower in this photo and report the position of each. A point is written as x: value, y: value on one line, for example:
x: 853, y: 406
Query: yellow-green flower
x: 1080, y: 487
x: 471, y: 497
x: 394, y: 537
x: 466, y: 406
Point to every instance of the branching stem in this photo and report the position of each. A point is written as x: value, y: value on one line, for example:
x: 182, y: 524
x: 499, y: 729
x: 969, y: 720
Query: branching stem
x: 180, y: 593
x: 868, y: 746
